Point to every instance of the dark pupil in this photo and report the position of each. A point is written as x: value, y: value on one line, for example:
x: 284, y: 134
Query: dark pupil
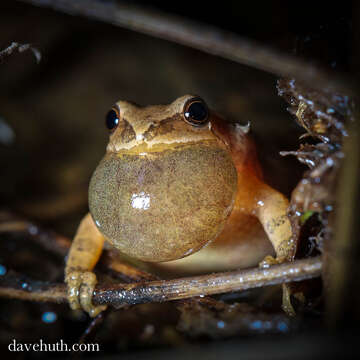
x: 197, y: 111
x: 112, y: 119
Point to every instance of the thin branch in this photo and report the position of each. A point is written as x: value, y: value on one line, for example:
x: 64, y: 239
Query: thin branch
x: 119, y: 295
x: 93, y: 326
x: 20, y: 48
x: 49, y: 240
x: 201, y: 37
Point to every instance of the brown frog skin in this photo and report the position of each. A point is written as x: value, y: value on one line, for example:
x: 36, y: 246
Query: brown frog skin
x: 174, y: 179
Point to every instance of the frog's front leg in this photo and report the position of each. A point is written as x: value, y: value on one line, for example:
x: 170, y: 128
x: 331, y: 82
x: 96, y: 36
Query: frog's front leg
x: 83, y: 255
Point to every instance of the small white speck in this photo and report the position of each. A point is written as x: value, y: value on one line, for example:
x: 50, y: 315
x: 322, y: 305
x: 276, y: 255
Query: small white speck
x: 33, y: 230
x: 139, y: 137
x: 189, y: 252
x: 97, y: 223
x: 264, y: 265
x: 140, y: 201
x: 329, y: 162
x: 260, y: 203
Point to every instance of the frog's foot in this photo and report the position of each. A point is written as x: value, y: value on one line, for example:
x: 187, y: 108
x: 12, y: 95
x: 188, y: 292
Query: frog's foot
x: 80, y: 289
x: 286, y: 300
x: 286, y: 289
x: 270, y: 260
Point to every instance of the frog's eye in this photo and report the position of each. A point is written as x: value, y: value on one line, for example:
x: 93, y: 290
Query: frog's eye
x: 196, y: 112
x: 112, y: 119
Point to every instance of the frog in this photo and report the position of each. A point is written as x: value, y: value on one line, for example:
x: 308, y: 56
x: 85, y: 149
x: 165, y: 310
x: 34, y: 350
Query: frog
x: 180, y: 189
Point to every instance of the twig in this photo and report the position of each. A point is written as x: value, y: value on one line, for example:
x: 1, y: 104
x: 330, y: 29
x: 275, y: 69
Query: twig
x: 202, y: 37
x: 20, y: 48
x: 49, y: 240
x: 93, y: 326
x: 120, y: 295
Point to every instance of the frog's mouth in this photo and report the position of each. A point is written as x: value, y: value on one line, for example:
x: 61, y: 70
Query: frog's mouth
x: 165, y: 205
x: 144, y: 149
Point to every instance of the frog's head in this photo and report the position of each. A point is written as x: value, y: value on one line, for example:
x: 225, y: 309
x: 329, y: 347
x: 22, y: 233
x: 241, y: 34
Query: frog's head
x: 166, y: 184
x: 157, y: 128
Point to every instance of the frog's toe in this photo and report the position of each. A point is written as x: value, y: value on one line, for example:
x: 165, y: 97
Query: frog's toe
x: 86, y: 292
x: 286, y: 289
x: 81, y: 286
x: 73, y: 281
x: 270, y: 260
x: 286, y: 300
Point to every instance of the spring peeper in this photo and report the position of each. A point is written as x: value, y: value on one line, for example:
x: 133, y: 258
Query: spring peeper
x: 174, y: 179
